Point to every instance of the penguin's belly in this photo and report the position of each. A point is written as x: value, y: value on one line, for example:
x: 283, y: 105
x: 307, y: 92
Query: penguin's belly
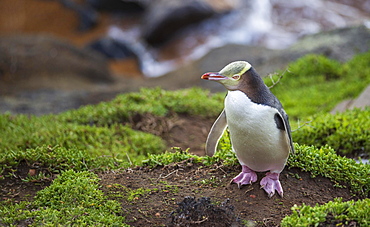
x: 255, y: 138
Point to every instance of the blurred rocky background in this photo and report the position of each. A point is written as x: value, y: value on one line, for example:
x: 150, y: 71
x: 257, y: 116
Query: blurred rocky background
x: 60, y: 54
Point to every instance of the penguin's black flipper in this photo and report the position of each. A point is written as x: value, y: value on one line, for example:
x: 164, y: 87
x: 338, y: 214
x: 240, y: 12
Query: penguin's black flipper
x: 279, y: 122
x: 215, y: 134
x: 282, y: 123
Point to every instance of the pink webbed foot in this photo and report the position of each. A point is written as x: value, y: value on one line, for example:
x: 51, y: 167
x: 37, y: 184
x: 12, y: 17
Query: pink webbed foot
x: 247, y: 176
x: 270, y: 183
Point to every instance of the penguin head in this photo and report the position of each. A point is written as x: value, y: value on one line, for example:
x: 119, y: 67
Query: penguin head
x: 231, y: 75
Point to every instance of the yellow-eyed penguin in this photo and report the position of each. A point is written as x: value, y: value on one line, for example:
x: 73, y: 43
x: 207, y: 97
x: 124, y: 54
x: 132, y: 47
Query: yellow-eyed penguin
x: 259, y: 128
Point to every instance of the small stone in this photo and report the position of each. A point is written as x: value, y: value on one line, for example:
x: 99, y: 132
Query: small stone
x: 32, y: 172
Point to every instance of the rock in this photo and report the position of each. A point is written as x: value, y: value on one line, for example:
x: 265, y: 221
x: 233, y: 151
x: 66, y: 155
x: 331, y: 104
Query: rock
x: 189, y: 75
x: 342, y: 106
x: 361, y: 101
x: 29, y: 62
x: 128, y: 6
x: 88, y: 17
x: 339, y: 44
x: 112, y: 48
x: 165, y: 17
x: 87, y: 11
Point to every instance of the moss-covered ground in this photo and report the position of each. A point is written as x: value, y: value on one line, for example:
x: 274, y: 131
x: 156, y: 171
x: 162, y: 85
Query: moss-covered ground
x: 106, y: 164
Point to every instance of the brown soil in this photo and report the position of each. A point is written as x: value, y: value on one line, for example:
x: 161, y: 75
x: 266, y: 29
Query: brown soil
x: 16, y: 189
x: 182, y: 131
x: 171, y: 184
x: 224, y: 203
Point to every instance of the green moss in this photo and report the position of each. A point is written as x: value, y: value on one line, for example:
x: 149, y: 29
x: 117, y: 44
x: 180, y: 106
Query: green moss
x: 346, y: 133
x: 194, y: 101
x: 56, y: 159
x: 315, y: 84
x: 73, y: 199
x: 212, y: 181
x: 96, y: 131
x: 23, y: 135
x: 118, y: 191
x: 121, y: 191
x: 333, y: 213
x: 114, y: 140
x: 170, y: 157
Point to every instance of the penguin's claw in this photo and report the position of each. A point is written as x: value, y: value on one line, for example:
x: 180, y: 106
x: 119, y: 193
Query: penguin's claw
x: 270, y: 183
x: 247, y: 176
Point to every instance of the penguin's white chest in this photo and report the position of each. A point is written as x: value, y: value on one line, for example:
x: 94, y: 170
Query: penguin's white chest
x: 255, y: 138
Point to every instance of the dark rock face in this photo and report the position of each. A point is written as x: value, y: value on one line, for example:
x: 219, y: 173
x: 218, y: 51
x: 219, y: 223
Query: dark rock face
x: 118, y: 5
x: 339, y: 44
x: 166, y: 17
x: 87, y: 11
x: 88, y: 17
x: 112, y: 48
x: 36, y: 62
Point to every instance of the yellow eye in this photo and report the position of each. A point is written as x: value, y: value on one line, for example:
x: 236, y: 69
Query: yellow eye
x: 236, y: 77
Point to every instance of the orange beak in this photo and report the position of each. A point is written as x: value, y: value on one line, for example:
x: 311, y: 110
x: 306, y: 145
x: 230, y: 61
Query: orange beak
x: 213, y: 76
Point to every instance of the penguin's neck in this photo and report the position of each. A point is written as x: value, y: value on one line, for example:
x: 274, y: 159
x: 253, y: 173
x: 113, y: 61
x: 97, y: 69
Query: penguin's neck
x: 253, y: 86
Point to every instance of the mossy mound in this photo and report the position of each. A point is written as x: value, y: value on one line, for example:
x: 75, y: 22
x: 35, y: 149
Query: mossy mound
x: 100, y: 136
x: 73, y: 199
x: 348, y: 133
x: 315, y: 84
x: 155, y: 101
x: 333, y: 213
x: 325, y: 162
x: 25, y: 138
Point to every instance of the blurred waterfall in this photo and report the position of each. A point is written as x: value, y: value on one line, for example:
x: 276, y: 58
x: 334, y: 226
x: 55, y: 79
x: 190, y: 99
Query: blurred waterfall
x: 274, y: 24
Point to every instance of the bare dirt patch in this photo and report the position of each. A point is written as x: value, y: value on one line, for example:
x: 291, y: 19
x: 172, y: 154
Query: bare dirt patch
x: 178, y: 130
x: 167, y: 186
x: 16, y: 188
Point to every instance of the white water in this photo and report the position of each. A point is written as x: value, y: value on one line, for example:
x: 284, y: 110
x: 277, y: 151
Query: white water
x: 363, y: 161
x: 274, y: 24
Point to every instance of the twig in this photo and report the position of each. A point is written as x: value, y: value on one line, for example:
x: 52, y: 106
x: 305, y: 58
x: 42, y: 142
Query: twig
x: 219, y: 167
x: 278, y: 80
x: 129, y: 159
x: 201, y: 221
x: 160, y: 176
x: 301, y: 126
x: 248, y: 190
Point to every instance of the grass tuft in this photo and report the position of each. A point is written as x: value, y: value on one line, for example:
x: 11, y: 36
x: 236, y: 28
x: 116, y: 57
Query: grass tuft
x: 333, y: 213
x: 73, y: 199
